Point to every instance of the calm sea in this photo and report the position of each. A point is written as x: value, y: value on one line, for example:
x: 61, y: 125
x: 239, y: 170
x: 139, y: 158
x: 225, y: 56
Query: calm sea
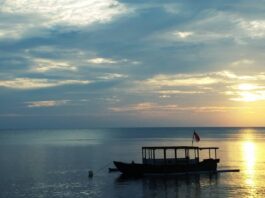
x: 55, y: 163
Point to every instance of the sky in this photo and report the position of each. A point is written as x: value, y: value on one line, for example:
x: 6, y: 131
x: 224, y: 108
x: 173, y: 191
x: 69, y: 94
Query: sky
x: 109, y: 63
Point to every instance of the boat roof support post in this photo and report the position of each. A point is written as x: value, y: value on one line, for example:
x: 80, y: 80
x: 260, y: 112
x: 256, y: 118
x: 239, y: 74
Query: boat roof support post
x: 165, y: 155
x: 186, y: 153
x: 154, y: 156
x: 209, y: 153
x: 176, y: 155
x: 215, y: 154
x: 149, y: 153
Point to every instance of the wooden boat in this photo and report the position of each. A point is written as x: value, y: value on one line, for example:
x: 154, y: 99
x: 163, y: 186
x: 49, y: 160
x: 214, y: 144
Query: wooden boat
x: 172, y: 159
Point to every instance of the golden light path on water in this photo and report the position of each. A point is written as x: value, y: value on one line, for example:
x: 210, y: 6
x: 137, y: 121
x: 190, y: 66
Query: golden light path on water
x: 249, y: 154
x: 249, y: 161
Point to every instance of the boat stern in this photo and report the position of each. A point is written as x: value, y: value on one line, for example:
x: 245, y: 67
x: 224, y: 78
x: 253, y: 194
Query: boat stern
x: 129, y: 168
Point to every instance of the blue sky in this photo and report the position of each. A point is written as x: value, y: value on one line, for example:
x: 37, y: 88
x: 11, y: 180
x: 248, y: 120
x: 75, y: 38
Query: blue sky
x: 108, y: 63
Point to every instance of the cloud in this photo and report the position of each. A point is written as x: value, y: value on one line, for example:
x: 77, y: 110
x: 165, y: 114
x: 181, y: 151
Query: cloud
x: 16, y: 26
x: 243, y: 62
x: 183, y: 34
x: 31, y: 83
x: 172, y: 8
x: 101, y: 60
x: 248, y: 87
x: 38, y: 14
x: 181, y: 80
x: 245, y: 96
x: 222, y: 84
x: 112, y: 76
x: 234, y: 77
x: 44, y: 65
x: 180, y: 84
x: 49, y: 59
x: 247, y: 92
x: 206, y: 28
x: 67, y: 11
x: 142, y: 107
x: 253, y: 28
x: 47, y: 103
x: 173, y: 92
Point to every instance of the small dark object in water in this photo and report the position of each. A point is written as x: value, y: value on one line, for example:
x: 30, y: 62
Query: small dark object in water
x: 113, y: 170
x: 90, y: 173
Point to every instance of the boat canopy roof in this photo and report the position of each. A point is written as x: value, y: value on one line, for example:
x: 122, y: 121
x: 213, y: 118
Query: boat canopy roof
x: 149, y: 152
x: 177, y: 147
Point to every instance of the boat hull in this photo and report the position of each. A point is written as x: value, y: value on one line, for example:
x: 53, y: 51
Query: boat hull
x: 142, y: 169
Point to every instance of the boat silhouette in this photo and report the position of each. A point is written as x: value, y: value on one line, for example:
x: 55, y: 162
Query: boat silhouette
x: 188, y: 162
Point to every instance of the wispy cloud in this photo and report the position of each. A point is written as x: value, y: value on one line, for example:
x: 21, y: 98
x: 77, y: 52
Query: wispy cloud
x: 247, y: 92
x: 247, y: 96
x: 141, y: 107
x: 181, y: 80
x: 31, y: 83
x: 67, y: 11
x: 253, y: 28
x: 101, y: 60
x: 206, y: 29
x: 231, y: 76
x: 237, y: 87
x: 172, y: 8
x: 44, y: 65
x: 183, y: 34
x: 173, y: 92
x: 243, y: 62
x: 47, y: 103
x: 112, y: 76
x: 61, y: 12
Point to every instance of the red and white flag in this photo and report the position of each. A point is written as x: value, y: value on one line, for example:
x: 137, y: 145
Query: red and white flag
x: 195, y: 137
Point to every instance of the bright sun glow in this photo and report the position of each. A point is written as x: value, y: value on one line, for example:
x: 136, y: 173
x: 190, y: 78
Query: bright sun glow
x: 248, y: 92
x: 249, y: 97
x: 246, y: 95
x: 247, y: 87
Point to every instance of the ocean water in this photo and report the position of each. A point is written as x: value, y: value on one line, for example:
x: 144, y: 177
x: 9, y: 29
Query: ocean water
x: 55, y: 163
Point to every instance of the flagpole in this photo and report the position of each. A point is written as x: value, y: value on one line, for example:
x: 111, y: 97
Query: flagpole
x: 192, y: 139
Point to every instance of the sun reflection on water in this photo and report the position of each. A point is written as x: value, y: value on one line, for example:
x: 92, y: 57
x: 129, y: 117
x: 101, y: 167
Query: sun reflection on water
x: 249, y: 155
